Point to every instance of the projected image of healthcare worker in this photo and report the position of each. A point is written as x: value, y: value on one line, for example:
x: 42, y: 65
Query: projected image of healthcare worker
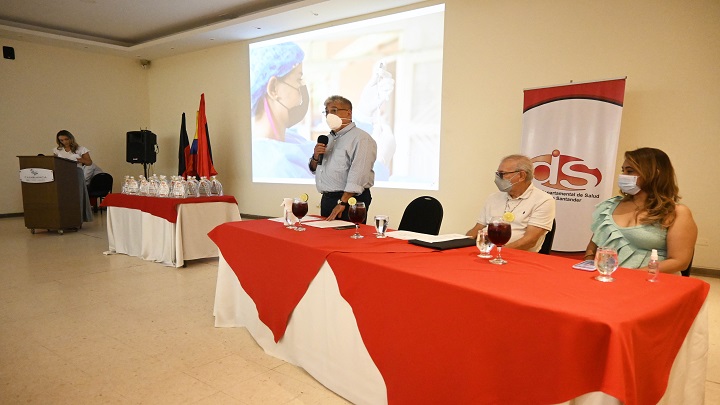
x: 279, y: 100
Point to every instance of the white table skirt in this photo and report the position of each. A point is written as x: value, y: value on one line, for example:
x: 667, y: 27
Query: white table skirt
x: 322, y: 337
x: 137, y: 233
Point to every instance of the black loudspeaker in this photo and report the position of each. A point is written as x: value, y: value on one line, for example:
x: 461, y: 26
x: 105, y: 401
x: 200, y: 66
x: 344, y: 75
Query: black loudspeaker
x: 8, y: 52
x: 141, y: 147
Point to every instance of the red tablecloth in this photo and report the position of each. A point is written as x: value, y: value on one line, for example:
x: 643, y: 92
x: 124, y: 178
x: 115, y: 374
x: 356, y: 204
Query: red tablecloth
x: 285, y: 272
x: 160, y: 207
x: 532, y: 331
x: 448, y: 327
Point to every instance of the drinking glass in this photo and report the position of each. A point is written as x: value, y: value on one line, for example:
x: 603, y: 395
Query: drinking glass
x: 288, y: 220
x: 483, y: 244
x: 381, y: 224
x: 299, y: 209
x: 606, y: 262
x: 357, y: 216
x: 287, y: 209
x: 499, y: 233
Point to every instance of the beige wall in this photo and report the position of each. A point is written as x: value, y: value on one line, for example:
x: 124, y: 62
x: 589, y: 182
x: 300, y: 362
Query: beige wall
x: 45, y: 89
x: 175, y: 86
x: 493, y: 50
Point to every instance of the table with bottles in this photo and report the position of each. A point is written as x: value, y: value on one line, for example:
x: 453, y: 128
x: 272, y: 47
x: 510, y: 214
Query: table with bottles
x: 167, y: 221
x: 383, y: 321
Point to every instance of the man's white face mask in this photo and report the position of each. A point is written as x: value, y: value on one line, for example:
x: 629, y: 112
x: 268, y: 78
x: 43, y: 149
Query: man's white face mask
x: 333, y: 121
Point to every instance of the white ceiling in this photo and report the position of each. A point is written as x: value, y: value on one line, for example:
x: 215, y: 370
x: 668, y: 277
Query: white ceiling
x: 149, y: 29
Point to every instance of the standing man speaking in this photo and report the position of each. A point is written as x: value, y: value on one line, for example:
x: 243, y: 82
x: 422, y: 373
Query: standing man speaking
x: 343, y: 167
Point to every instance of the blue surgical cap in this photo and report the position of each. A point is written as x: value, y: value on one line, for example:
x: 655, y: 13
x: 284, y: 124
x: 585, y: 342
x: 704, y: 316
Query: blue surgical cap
x: 268, y: 61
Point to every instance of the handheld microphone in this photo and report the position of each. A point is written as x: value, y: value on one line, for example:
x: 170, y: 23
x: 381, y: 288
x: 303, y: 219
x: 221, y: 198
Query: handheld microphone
x: 323, y: 139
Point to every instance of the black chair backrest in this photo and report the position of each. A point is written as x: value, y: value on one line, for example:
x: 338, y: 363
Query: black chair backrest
x: 100, y: 185
x: 686, y: 272
x: 547, y: 243
x: 423, y: 214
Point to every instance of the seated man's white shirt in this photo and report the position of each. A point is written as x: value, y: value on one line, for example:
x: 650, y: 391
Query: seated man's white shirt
x: 91, y: 170
x: 534, y: 207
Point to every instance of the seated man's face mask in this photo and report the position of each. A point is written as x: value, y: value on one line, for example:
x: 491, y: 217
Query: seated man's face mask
x: 504, y: 184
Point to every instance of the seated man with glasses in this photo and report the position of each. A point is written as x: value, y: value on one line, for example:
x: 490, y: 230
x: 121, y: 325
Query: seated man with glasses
x: 529, y: 210
x: 344, y: 167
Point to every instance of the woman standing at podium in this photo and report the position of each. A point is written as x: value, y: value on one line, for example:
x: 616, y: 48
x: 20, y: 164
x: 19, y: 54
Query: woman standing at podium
x: 69, y: 149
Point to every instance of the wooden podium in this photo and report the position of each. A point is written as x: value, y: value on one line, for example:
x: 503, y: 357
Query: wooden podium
x: 50, y: 203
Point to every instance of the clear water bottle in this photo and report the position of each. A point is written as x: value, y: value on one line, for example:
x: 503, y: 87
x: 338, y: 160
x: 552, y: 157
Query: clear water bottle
x: 163, y: 187
x: 133, y: 186
x: 153, y: 186
x: 653, y: 267
x: 179, y: 190
x: 144, y: 186
x: 205, y: 187
x: 216, y: 188
x: 173, y: 182
x: 192, y: 187
x: 125, y: 185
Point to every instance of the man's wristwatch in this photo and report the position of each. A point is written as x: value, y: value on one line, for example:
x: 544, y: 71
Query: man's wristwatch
x: 343, y: 203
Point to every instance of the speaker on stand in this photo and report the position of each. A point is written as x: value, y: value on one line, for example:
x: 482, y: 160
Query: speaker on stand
x: 141, y: 148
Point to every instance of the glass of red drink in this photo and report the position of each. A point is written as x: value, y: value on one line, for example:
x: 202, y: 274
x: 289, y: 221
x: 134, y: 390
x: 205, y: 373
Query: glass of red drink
x: 499, y: 233
x: 299, y: 209
x: 357, y: 216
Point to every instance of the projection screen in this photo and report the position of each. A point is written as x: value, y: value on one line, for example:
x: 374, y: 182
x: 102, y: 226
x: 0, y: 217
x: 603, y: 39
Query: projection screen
x: 390, y: 67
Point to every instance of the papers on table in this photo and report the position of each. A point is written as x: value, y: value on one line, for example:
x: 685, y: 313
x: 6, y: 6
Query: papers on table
x: 329, y: 224
x: 407, y: 235
x: 318, y: 222
x: 305, y: 220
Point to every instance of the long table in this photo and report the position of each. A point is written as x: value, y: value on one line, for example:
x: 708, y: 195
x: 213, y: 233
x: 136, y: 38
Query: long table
x: 166, y: 230
x: 382, y: 321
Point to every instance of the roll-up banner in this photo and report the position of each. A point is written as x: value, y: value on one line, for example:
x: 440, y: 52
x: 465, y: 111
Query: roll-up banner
x: 571, y: 134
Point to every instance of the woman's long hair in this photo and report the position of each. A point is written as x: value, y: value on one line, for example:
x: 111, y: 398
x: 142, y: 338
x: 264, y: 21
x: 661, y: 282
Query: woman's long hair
x: 73, y: 144
x: 659, y: 182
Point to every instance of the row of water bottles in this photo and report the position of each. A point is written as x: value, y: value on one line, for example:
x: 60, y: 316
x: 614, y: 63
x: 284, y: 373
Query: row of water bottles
x: 176, y: 187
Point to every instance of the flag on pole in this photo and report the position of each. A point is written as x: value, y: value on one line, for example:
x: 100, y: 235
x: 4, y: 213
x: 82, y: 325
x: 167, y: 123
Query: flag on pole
x: 571, y: 134
x: 184, y: 160
x: 201, y: 144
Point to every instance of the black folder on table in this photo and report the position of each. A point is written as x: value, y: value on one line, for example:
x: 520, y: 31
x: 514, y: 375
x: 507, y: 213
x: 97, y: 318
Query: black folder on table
x: 446, y: 244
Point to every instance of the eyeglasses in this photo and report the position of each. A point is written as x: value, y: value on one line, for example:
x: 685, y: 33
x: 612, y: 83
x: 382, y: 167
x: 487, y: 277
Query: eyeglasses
x: 334, y: 111
x: 501, y: 175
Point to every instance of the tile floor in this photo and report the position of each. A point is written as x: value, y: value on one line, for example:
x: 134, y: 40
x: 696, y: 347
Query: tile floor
x: 78, y: 327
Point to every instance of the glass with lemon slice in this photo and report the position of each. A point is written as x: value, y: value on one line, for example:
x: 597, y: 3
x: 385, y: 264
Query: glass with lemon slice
x: 499, y: 232
x: 300, y: 209
x: 356, y: 214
